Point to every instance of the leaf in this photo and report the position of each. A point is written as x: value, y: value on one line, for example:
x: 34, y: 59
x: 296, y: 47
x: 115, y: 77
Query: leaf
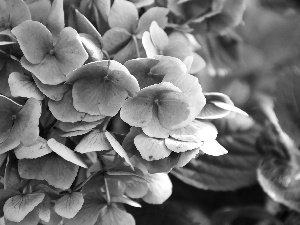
x: 157, y: 14
x: 287, y: 103
x: 56, y: 21
x: 64, y: 110
x: 34, y: 39
x: 123, y: 14
x: 151, y: 148
x: 117, y: 147
x: 17, y: 207
x: 115, y: 214
x: 49, y: 168
x: 231, y: 15
x: 89, y: 212
x: 36, y: 150
x: 94, y: 141
x: 69, y: 205
x: 234, y: 170
x: 54, y: 92
x: 23, y: 86
x: 65, y: 152
x: 160, y: 188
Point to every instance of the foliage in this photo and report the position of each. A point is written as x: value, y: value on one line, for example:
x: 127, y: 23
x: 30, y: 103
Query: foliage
x: 101, y: 100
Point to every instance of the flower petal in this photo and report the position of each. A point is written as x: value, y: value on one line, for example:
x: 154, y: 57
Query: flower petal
x: 35, y: 40
x: 151, y: 148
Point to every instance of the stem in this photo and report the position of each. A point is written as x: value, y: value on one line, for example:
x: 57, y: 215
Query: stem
x: 107, y: 192
x: 79, y: 186
x: 9, y: 55
x: 136, y: 46
x: 105, y: 123
x: 103, y: 167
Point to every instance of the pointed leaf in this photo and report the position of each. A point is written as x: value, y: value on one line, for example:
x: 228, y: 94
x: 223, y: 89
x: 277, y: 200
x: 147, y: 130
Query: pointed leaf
x: 117, y: 147
x: 234, y: 170
x: 36, y: 150
x: 23, y: 86
x: 69, y: 205
x: 56, y: 20
x: 160, y: 188
x: 151, y: 148
x: 35, y: 40
x: 85, y: 26
x: 65, y: 152
x: 49, y: 168
x: 17, y: 207
x: 123, y: 14
x: 94, y: 141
